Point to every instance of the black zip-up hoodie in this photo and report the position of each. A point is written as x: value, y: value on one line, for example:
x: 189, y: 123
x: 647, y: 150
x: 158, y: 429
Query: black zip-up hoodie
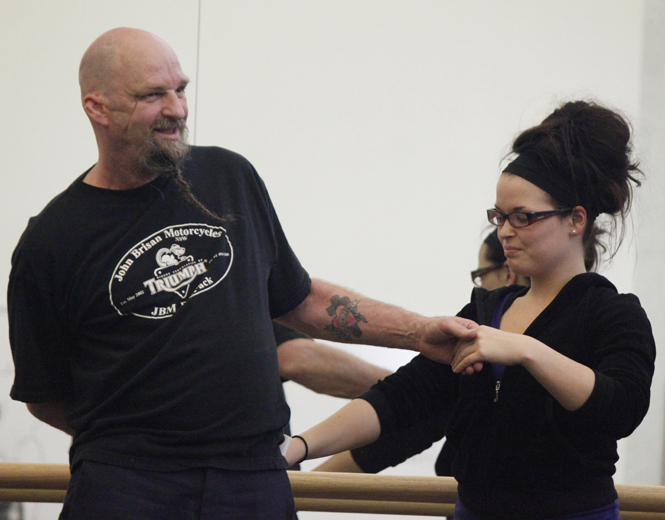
x: 519, y: 453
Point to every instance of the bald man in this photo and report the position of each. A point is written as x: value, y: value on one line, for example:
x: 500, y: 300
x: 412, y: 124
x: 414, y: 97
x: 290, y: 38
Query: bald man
x: 140, y: 306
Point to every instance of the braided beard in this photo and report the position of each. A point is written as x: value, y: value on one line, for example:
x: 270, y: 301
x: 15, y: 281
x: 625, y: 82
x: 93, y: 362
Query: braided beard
x: 164, y: 156
x: 168, y: 156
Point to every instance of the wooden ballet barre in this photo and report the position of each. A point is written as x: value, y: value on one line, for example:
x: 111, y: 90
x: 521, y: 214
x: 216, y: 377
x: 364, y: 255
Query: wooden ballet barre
x: 636, y: 515
x: 363, y: 486
x: 319, y: 491
x: 360, y: 486
x: 334, y: 505
x: 18, y: 475
x: 641, y: 498
x: 53, y: 496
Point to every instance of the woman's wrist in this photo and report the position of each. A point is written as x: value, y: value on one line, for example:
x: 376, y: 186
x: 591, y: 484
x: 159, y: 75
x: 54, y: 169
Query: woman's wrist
x: 532, y: 353
x: 304, y: 443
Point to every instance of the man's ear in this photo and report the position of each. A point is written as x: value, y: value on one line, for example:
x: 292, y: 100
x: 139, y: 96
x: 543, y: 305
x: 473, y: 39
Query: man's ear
x: 94, y: 105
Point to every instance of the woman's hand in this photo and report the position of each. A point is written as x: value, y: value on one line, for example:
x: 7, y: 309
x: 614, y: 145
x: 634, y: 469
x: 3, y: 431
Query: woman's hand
x: 568, y: 381
x: 490, y: 345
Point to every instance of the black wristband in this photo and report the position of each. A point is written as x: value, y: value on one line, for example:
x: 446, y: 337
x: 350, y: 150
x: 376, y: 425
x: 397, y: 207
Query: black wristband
x: 306, y: 447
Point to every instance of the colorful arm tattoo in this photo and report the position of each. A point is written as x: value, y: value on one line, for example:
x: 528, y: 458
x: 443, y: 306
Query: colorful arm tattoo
x: 346, y: 318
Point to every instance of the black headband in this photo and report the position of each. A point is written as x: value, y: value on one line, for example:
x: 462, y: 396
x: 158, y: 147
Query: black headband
x: 550, y: 180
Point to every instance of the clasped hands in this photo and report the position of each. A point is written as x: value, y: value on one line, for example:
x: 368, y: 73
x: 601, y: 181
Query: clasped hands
x: 465, y: 345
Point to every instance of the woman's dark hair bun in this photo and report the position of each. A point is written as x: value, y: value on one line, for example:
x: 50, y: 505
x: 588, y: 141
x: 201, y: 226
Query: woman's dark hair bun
x: 591, y: 145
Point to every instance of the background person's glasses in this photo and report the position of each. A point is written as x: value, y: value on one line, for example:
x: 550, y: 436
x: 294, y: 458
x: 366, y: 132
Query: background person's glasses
x: 520, y: 219
x: 477, y: 275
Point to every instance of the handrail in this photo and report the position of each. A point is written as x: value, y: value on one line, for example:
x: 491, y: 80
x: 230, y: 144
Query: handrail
x: 361, y: 486
x: 19, y: 475
x: 319, y: 491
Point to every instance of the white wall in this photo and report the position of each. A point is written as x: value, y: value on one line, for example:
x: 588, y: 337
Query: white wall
x: 643, y: 451
x: 378, y: 126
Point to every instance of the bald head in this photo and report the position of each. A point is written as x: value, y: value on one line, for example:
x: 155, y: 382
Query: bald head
x: 133, y: 92
x: 118, y: 52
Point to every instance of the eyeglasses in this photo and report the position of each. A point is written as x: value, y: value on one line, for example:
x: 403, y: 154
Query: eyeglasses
x: 520, y: 219
x: 477, y: 275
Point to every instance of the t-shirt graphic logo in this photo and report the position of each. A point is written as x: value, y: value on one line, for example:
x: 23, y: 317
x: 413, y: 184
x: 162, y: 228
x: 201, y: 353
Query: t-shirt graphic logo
x: 175, y: 272
x: 161, y: 272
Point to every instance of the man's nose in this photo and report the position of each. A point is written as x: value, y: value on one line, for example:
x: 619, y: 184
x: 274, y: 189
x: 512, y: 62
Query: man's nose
x: 174, y: 105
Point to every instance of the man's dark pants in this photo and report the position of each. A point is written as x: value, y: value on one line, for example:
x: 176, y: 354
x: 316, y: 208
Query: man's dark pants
x: 104, y: 492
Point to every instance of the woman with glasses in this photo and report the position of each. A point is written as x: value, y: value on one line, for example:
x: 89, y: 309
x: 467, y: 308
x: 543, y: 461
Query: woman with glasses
x: 558, y: 371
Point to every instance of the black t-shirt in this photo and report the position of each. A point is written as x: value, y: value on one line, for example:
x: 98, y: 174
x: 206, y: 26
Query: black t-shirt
x: 152, y: 323
x: 284, y: 333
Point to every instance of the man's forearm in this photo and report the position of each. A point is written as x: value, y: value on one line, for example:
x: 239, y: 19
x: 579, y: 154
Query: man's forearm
x: 333, y: 313
x: 325, y: 369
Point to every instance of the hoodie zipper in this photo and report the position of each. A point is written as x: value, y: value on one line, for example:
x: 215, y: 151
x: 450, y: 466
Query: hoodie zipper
x: 498, y: 371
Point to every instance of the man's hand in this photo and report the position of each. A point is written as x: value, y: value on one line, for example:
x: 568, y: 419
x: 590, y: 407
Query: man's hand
x: 438, y: 338
x: 52, y: 414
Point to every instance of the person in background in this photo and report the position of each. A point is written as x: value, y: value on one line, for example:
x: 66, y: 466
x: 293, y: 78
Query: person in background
x: 493, y: 271
x: 390, y: 450
x: 558, y: 371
